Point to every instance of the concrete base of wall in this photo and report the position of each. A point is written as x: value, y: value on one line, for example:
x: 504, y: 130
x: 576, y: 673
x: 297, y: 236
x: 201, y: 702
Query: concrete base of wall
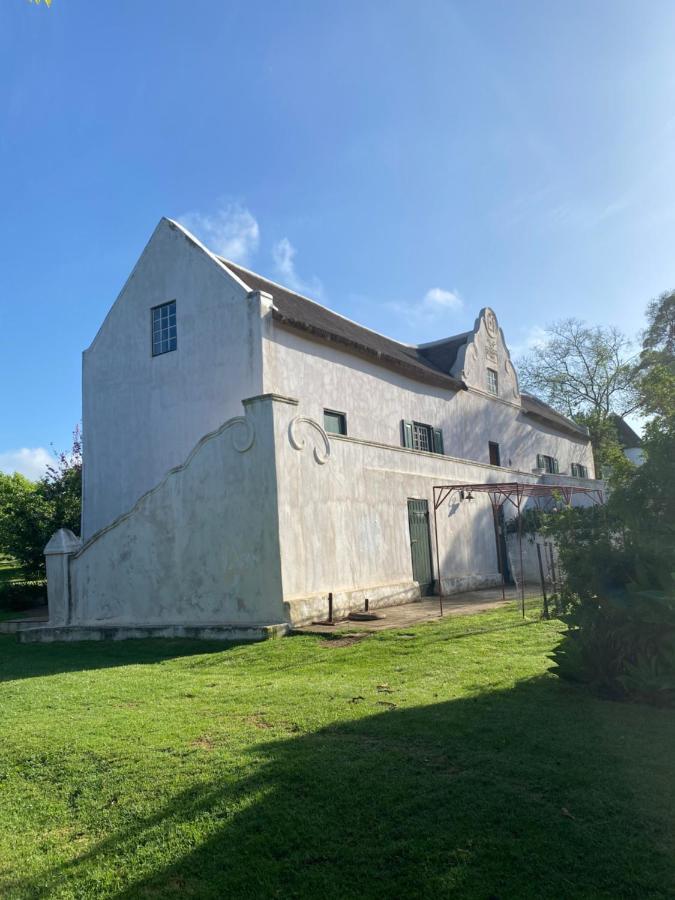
x: 460, y: 584
x: 48, y: 634
x: 13, y: 625
x: 305, y: 610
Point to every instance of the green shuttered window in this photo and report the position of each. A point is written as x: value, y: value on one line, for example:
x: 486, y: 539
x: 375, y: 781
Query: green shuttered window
x: 418, y: 436
x: 547, y: 463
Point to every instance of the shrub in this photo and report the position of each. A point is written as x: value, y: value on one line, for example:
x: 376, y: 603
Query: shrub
x: 16, y: 596
x: 622, y: 644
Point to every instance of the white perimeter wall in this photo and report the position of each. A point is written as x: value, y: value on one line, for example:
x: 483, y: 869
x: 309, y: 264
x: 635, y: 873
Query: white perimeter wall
x: 201, y: 548
x: 143, y: 414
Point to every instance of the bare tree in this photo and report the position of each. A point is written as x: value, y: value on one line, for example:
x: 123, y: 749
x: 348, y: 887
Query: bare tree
x: 582, y: 370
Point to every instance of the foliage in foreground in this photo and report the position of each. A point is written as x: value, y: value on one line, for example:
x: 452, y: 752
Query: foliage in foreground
x: 623, y: 644
x: 619, y: 560
x: 30, y: 512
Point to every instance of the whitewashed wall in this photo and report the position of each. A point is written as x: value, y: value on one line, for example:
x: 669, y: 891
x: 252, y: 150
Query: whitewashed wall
x: 343, y: 520
x: 375, y: 400
x: 143, y: 414
x: 201, y: 548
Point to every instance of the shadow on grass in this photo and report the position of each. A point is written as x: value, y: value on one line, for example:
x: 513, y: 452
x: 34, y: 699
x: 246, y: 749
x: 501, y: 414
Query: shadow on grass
x: 517, y: 793
x: 18, y: 661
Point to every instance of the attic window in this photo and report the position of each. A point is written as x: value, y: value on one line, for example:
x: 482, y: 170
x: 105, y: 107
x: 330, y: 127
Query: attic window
x: 164, y: 337
x: 334, y: 422
x: 492, y: 383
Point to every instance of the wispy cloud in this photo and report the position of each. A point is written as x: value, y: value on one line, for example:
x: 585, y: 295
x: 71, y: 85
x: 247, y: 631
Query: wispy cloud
x: 531, y: 339
x: 437, y: 300
x: 231, y: 231
x: 283, y: 254
x: 434, y: 306
x: 548, y: 208
x: 31, y: 462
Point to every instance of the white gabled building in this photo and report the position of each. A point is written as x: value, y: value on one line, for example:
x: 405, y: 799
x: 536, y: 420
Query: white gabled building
x: 248, y: 451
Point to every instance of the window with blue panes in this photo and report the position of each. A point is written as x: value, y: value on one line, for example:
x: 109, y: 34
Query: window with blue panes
x: 164, y: 335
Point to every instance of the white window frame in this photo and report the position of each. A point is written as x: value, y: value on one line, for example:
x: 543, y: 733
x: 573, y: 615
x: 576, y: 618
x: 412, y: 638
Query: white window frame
x: 163, y: 331
x: 493, y: 381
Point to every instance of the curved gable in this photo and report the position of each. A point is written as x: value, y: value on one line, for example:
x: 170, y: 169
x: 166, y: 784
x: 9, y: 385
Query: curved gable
x: 485, y: 348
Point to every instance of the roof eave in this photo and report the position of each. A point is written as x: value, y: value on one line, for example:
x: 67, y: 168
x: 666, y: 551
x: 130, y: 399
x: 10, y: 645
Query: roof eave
x: 577, y: 431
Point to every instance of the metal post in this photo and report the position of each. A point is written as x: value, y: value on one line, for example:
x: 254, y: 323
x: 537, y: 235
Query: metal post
x: 520, y: 551
x: 543, y: 582
x: 498, y: 535
x: 438, y: 558
x: 330, y: 608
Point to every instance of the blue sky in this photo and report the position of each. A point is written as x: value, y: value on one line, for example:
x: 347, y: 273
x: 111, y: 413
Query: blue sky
x: 407, y: 163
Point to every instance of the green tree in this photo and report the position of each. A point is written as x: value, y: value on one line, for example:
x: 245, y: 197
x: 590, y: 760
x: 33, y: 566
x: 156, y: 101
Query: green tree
x: 619, y: 562
x: 588, y: 374
x: 30, y: 512
x: 656, y: 369
x: 582, y: 370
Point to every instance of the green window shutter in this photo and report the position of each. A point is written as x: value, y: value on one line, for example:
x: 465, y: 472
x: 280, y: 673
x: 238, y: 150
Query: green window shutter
x: 555, y: 466
x: 438, y: 440
x: 406, y: 434
x: 540, y: 461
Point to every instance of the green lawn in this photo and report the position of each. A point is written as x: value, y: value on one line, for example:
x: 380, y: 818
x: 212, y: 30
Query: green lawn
x: 438, y: 762
x: 9, y: 570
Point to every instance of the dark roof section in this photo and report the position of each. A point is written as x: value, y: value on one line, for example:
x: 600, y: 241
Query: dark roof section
x: 537, y: 409
x: 301, y: 314
x: 443, y: 354
x: 430, y: 363
x: 627, y: 437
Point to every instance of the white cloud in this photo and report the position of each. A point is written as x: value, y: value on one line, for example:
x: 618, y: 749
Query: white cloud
x: 232, y: 231
x: 283, y: 254
x: 438, y: 299
x: 432, y: 308
x: 31, y: 462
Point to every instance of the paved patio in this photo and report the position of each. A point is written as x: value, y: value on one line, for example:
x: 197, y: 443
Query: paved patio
x: 425, y: 610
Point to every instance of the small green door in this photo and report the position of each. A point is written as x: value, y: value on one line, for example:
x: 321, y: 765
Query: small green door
x: 420, y: 544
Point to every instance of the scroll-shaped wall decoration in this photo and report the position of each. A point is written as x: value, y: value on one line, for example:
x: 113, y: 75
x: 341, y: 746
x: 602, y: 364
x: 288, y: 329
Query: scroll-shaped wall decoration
x: 242, y: 440
x: 298, y: 443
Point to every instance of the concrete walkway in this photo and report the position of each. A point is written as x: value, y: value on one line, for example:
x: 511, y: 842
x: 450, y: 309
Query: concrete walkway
x: 425, y: 610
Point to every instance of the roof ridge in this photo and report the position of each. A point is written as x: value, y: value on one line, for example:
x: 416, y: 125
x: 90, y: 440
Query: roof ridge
x: 295, y: 293
x: 450, y: 337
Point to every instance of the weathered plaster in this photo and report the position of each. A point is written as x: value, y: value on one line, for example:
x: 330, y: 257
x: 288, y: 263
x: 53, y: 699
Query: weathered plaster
x: 200, y: 548
x: 375, y: 401
x: 142, y: 414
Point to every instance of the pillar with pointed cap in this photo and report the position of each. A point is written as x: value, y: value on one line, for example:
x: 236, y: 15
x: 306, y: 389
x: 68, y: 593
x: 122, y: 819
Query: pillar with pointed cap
x: 62, y: 545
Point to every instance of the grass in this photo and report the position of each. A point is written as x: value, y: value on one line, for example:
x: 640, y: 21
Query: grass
x: 9, y: 570
x: 442, y: 761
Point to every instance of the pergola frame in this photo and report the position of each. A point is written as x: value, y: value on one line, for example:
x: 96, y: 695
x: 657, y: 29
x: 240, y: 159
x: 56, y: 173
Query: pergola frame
x: 500, y: 493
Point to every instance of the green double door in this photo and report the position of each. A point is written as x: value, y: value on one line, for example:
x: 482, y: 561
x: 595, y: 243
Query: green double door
x: 420, y: 544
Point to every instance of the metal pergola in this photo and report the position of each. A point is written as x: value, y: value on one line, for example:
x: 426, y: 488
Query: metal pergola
x: 500, y: 493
